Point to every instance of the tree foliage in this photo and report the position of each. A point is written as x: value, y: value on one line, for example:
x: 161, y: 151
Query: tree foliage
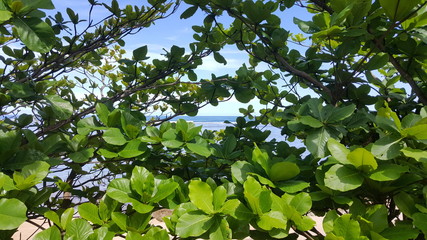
x: 352, y: 87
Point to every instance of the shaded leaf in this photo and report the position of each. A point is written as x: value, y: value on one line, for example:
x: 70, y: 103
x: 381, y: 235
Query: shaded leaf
x: 343, y: 178
x: 13, y: 211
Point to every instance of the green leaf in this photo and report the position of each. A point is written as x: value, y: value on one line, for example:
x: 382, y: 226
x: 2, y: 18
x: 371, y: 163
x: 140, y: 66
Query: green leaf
x: 362, y: 159
x: 78, y: 229
x: 201, y: 195
x: 193, y: 224
x: 199, y: 148
x: 142, y: 182
x: 417, y: 154
x: 388, y: 172
x: 293, y: 186
x: 400, y: 232
x: 346, y: 227
x: 102, y: 233
x: 272, y: 219
x: 261, y: 157
x: 40, y: 4
x: 387, y: 147
x: 220, y: 230
x: 156, y: 233
x: 6, y: 182
x: 140, y: 53
x: 133, y: 149
x: 341, y: 113
x: 53, y: 216
x: 51, y: 233
x: 35, y: 34
x: 62, y: 109
x: 114, y: 136
x: 418, y: 131
x: 5, y: 15
x: 338, y: 151
x: 219, y: 197
x: 310, y: 121
x: 66, y: 217
x: 13, y: 212
x: 282, y: 171
x: 377, y: 61
x: 244, y: 95
x: 163, y: 190
x: 189, y: 12
x: 343, y: 178
x: 301, y: 202
x: 82, y: 156
x: 102, y: 112
x: 258, y: 199
x: 89, y: 211
x: 420, y: 221
x: 219, y: 58
x: 236, y: 209
x: 119, y: 190
x: 316, y: 142
x: 240, y: 170
x: 405, y: 203
x: 397, y: 10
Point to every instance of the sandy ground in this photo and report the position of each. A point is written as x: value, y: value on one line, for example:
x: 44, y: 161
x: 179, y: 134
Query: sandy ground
x: 27, y: 230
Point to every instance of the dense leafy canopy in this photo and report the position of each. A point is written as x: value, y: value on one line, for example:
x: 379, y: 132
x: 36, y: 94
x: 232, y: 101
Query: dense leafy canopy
x: 77, y: 145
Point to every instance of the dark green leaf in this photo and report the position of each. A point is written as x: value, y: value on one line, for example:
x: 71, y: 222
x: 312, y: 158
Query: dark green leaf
x: 35, y: 34
x: 140, y: 53
x: 189, y: 12
x: 62, y: 109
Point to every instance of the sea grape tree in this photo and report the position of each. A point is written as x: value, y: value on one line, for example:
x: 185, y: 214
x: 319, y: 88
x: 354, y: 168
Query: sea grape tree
x: 78, y: 146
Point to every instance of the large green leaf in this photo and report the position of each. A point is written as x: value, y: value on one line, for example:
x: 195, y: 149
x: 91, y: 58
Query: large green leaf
x: 258, y: 198
x: 193, y: 224
x: 35, y: 34
x: 240, y: 170
x: 82, y: 156
x: 201, y: 149
x: 5, y: 15
x: 78, y: 229
x: 420, y: 221
x: 119, y: 190
x: 338, y: 151
x: 388, y: 172
x: 316, y: 142
x: 142, y: 182
x: 89, y: 211
x: 201, y: 195
x: 282, y: 171
x: 236, y: 209
x: 387, y: 147
x: 220, y: 230
x: 343, y: 178
x: 219, y: 197
x: 362, y: 159
x: 397, y: 10
x: 12, y: 212
x: 310, y: 121
x: 261, y: 157
x: 346, y: 227
x: 163, y: 190
x: 272, y: 219
x: 418, y: 131
x: 417, y: 154
x: 62, y: 109
x: 51, y: 233
x: 133, y: 149
x: 341, y: 113
x: 114, y: 136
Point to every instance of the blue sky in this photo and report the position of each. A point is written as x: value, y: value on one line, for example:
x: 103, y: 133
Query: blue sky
x: 176, y: 31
